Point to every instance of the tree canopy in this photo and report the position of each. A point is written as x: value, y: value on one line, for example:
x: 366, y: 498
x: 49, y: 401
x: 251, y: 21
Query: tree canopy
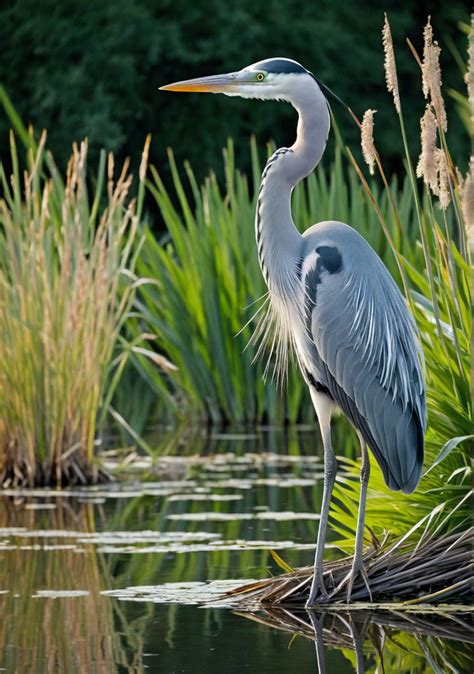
x: 82, y: 68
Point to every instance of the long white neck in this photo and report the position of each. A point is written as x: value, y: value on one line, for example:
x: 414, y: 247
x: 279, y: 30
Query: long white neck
x: 278, y: 240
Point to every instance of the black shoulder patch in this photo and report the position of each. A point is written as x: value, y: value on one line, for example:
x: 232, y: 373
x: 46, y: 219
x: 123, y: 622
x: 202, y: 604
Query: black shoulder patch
x: 311, y: 281
x: 330, y: 261
x: 320, y: 388
x: 280, y: 66
x: 331, y: 258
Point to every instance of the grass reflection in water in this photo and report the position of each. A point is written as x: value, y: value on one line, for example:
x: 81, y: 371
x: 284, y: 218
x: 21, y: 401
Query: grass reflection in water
x: 189, y: 521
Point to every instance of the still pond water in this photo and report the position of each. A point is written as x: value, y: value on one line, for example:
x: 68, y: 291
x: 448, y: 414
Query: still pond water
x: 82, y: 573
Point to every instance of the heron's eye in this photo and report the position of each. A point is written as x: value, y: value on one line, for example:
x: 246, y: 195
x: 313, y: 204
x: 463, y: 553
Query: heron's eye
x: 260, y: 76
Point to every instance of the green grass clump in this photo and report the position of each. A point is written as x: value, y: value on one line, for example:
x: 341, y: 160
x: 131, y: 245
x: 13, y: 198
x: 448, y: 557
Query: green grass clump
x: 66, y: 287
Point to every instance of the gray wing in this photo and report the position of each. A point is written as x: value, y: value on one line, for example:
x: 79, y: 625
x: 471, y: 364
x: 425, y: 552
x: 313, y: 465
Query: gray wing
x: 367, y: 354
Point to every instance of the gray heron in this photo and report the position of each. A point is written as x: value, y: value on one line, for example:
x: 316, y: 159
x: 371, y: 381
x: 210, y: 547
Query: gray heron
x: 333, y: 301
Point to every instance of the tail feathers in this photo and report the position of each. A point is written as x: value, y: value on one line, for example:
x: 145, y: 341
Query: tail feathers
x: 417, y: 448
x: 407, y: 486
x: 403, y: 453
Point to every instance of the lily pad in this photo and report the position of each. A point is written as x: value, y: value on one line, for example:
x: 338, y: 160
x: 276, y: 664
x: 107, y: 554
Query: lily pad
x: 59, y: 594
x: 177, y: 593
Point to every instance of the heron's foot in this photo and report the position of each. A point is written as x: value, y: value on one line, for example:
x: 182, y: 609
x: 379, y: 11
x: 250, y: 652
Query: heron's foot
x: 357, y: 567
x: 318, y: 591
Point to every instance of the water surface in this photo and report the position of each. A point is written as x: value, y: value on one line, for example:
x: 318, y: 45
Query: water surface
x: 213, y: 513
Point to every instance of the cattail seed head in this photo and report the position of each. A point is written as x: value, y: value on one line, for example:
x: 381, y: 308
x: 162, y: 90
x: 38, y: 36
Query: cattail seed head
x: 144, y: 161
x: 427, y: 167
x: 390, y: 65
x: 367, y: 139
x: 469, y: 77
x: 431, y: 75
x: 427, y: 43
x: 467, y: 203
x: 444, y: 190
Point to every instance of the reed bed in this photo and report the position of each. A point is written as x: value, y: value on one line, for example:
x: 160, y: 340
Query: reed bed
x: 67, y: 284
x: 432, y: 571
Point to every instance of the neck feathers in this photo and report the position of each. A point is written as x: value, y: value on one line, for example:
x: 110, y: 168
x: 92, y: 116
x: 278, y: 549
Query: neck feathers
x: 279, y: 243
x: 278, y: 240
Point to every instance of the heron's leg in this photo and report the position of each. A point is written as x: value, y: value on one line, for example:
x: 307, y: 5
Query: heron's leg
x: 358, y: 563
x: 330, y: 468
x: 357, y: 640
x: 317, y: 623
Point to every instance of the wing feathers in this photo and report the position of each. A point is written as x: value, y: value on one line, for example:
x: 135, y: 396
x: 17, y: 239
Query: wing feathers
x: 367, y: 355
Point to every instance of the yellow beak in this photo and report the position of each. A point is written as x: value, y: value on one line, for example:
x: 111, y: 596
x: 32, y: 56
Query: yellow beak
x: 215, y: 84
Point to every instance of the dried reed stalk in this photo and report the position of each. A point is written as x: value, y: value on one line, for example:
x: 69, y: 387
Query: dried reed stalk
x: 436, y: 569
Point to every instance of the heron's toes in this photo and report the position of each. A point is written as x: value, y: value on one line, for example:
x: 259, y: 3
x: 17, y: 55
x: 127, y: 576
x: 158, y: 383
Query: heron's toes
x: 357, y: 567
x: 318, y: 593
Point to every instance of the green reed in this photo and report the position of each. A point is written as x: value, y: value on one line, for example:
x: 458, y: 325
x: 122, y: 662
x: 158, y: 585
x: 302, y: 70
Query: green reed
x: 67, y: 256
x: 440, y: 300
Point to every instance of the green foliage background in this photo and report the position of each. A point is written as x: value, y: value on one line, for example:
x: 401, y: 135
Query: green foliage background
x: 86, y: 68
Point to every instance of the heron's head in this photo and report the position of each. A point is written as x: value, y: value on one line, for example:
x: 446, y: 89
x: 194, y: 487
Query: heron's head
x: 274, y: 79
